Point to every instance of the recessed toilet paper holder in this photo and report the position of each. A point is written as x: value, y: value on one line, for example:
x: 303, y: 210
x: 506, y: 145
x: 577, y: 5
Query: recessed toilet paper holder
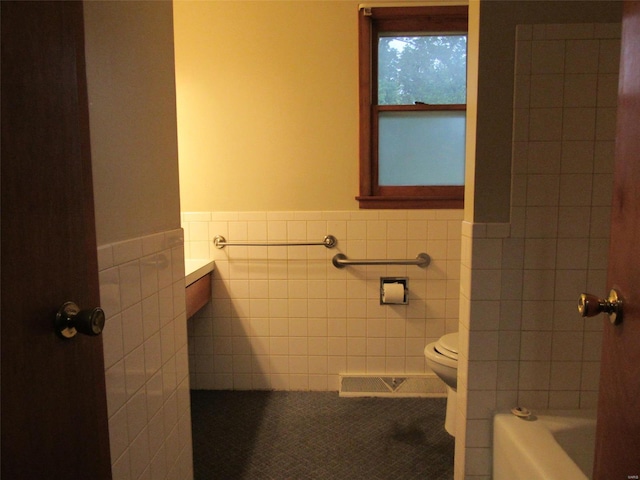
x: 394, y: 290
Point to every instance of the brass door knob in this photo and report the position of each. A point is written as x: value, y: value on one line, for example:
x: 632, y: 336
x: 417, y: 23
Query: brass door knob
x: 590, y: 305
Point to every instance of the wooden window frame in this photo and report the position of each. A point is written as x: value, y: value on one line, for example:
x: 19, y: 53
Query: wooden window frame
x: 373, y: 21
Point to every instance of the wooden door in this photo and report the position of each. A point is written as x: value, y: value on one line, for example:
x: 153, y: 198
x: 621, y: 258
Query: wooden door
x: 54, y: 415
x: 618, y: 431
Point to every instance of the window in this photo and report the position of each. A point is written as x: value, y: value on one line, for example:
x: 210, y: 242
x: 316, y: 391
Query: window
x: 412, y: 106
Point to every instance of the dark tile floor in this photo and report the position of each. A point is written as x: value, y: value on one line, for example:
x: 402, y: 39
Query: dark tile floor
x: 318, y: 435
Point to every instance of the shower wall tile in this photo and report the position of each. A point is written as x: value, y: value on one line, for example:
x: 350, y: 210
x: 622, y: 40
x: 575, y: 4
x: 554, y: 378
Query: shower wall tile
x: 565, y: 237
x: 145, y: 351
x: 547, y: 56
x: 532, y: 348
x: 582, y: 55
x: 286, y: 318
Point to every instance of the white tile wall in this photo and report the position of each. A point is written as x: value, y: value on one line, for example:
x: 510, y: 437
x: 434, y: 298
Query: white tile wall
x: 525, y: 343
x: 146, y: 361
x: 285, y: 318
x: 568, y: 179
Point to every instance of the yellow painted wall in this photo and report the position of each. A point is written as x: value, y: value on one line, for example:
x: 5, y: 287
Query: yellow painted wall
x: 267, y: 97
x: 268, y: 101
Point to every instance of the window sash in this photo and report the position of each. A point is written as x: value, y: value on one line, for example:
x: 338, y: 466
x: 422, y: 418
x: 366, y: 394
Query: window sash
x: 421, y: 147
x: 372, y: 23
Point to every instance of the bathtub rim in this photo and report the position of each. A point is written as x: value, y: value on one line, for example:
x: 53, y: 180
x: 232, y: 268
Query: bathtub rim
x: 528, y: 439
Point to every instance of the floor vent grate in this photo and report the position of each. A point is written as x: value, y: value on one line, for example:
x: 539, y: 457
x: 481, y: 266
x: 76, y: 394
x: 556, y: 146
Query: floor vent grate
x: 389, y: 386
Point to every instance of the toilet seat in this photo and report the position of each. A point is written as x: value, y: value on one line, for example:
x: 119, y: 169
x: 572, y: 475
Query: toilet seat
x: 447, y: 345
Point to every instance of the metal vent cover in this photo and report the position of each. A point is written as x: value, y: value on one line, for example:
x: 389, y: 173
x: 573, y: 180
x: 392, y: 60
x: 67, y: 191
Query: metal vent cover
x: 391, y: 386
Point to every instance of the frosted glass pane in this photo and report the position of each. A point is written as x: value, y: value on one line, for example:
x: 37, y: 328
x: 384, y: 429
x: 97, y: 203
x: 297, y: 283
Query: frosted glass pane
x: 421, y: 148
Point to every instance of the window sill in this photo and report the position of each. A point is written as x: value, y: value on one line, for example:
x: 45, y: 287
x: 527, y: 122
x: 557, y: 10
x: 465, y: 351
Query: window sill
x: 416, y: 202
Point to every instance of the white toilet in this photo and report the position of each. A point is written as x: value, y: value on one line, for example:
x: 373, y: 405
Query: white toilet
x: 442, y: 358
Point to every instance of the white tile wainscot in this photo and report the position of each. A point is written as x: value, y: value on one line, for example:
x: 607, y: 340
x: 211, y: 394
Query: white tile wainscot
x: 285, y: 318
x: 142, y: 289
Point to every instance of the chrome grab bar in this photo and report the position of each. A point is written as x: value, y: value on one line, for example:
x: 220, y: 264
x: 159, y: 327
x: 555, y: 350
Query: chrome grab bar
x: 329, y: 241
x: 340, y: 261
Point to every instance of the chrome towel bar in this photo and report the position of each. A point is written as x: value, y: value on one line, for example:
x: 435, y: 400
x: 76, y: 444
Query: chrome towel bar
x: 340, y: 261
x: 328, y: 241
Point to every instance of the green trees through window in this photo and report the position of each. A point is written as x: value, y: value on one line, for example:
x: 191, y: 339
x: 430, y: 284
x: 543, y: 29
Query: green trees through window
x: 428, y: 69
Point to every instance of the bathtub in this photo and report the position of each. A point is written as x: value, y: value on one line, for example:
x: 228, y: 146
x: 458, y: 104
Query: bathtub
x: 549, y: 445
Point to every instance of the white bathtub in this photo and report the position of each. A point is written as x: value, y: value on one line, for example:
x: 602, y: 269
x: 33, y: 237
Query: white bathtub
x: 549, y: 445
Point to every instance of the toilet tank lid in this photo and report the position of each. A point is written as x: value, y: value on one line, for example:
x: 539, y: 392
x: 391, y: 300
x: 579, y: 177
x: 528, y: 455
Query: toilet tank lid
x: 449, y: 341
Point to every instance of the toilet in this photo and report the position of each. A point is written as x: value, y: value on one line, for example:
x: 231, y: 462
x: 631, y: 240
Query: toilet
x: 442, y: 358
